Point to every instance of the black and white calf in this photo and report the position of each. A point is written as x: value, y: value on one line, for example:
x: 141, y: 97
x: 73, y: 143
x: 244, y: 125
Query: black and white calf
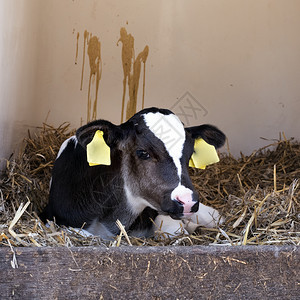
x: 146, y: 178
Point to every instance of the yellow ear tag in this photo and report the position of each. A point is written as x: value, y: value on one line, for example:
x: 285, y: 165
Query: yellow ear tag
x: 98, y: 153
x: 204, y: 154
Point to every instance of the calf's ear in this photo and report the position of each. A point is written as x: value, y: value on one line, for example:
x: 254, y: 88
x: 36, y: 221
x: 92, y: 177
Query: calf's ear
x: 97, y: 137
x: 207, y: 139
x: 209, y: 133
x: 111, y: 133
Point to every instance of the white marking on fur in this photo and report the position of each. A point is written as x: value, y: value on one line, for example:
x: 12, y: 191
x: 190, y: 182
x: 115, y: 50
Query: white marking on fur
x: 167, y: 225
x: 169, y: 129
x: 137, y: 204
x: 82, y: 232
x: 205, y: 216
x: 179, y: 191
x: 65, y: 144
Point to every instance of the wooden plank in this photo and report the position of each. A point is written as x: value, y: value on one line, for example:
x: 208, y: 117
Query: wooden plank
x: 198, y: 272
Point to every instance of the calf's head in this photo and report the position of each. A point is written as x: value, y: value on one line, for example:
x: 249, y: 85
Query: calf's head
x: 151, y: 152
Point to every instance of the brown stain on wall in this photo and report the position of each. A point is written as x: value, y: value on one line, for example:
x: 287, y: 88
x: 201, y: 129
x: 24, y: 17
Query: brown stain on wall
x: 131, y: 71
x: 131, y: 78
x: 76, y: 55
x: 94, y: 53
x: 134, y: 83
x: 85, y: 40
x: 127, y: 58
x: 144, y: 58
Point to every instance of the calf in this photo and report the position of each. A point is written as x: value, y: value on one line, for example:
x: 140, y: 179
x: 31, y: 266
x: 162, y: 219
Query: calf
x: 139, y: 172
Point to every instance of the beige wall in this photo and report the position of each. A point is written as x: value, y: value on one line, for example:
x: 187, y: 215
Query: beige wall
x: 18, y: 68
x: 240, y: 60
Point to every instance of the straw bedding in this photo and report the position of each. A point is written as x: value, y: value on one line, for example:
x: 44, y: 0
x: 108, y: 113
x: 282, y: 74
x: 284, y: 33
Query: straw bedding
x: 259, y: 196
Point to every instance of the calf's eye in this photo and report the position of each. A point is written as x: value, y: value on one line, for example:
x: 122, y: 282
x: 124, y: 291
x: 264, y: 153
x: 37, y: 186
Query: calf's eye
x: 142, y: 154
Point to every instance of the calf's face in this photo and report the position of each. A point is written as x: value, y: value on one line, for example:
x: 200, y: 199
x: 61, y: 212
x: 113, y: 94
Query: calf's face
x: 154, y: 149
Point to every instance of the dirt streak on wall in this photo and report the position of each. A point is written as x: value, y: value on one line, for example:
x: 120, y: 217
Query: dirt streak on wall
x: 131, y: 71
x: 94, y: 53
x: 131, y: 78
x: 76, y: 55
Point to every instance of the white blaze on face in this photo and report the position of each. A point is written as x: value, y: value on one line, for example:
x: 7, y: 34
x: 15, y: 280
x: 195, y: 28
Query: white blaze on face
x: 169, y: 129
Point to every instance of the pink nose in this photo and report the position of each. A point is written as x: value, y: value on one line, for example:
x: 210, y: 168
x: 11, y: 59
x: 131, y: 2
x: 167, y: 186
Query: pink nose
x: 187, y: 201
x: 184, y: 196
